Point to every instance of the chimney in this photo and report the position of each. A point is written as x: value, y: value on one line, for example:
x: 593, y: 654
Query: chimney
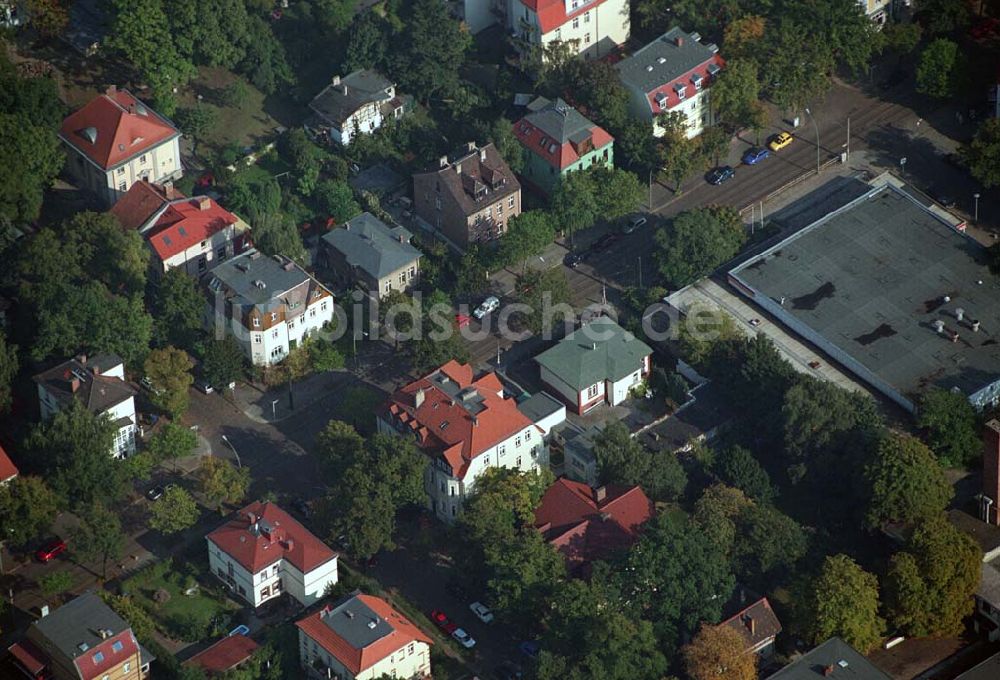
x: 828, y: 671
x: 593, y: 346
x: 204, y: 203
x: 938, y: 325
x: 959, y: 313
x: 991, y: 472
x: 168, y: 188
x: 74, y: 384
x: 679, y: 40
x: 418, y: 398
x: 252, y: 517
x: 482, y: 155
x: 751, y: 624
x: 600, y: 493
x: 81, y: 359
x: 112, y: 90
x: 975, y: 325
x: 443, y: 162
x: 290, y: 544
x: 471, y: 146
x: 458, y: 168
x: 336, y: 80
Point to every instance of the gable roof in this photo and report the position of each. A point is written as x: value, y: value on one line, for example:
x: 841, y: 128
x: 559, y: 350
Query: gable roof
x: 757, y: 623
x: 454, y: 416
x: 345, y: 630
x: 601, y: 350
x: 845, y: 661
x: 368, y: 244
x: 552, y: 13
x: 587, y: 524
x: 558, y: 133
x: 661, y: 66
x: 75, y: 630
x: 114, y: 127
x: 142, y: 202
x: 475, y: 178
x: 87, y: 379
x: 225, y: 654
x: 8, y: 470
x: 187, y: 222
x: 262, y: 533
x: 341, y: 98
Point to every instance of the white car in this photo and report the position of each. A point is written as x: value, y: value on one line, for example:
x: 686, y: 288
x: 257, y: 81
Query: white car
x: 490, y: 304
x: 463, y: 638
x: 482, y: 612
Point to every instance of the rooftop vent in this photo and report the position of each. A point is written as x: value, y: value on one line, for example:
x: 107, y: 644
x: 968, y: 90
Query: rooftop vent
x: 348, y: 613
x: 83, y: 646
x: 88, y: 133
x: 373, y: 623
x: 661, y: 60
x: 649, y: 68
x: 938, y: 325
x: 696, y: 36
x: 959, y: 313
x: 259, y: 284
x: 946, y: 299
x: 713, y: 48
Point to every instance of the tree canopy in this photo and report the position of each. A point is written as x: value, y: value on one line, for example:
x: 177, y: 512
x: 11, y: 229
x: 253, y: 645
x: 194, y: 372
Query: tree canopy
x: 169, y: 371
x: 174, y: 511
x: 719, y: 651
x: 941, y: 69
x: 982, y: 154
x: 844, y: 602
x: 27, y: 508
x: 624, y: 460
x: 906, y: 482
x: 697, y: 241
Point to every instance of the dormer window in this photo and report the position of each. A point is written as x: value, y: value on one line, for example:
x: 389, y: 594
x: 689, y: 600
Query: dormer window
x: 256, y: 322
x: 661, y: 99
x: 681, y: 90
x: 697, y: 81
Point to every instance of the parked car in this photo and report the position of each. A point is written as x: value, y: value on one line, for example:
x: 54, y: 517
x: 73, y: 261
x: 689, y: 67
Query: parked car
x: 463, y: 638
x: 529, y: 648
x: 780, y: 141
x: 605, y: 242
x: 754, y: 322
x: 482, y: 612
x: 490, y: 304
x: 462, y: 320
x: 51, y: 550
x: 203, y: 386
x: 573, y: 259
x: 634, y: 223
x: 148, y: 384
x: 155, y: 493
x: 721, y: 174
x: 755, y: 155
x: 439, y: 619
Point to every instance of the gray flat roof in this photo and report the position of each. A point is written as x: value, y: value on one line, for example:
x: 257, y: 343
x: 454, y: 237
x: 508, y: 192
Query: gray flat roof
x: 356, y: 623
x: 79, y: 622
x: 539, y: 406
x: 872, y: 279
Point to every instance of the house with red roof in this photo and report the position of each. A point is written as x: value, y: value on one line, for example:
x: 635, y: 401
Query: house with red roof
x: 223, y: 656
x: 262, y: 552
x: 591, y: 28
x: 115, y: 141
x: 559, y: 140
x: 361, y: 637
x: 674, y: 73
x: 193, y: 234
x: 586, y: 524
x: 466, y: 426
x: 8, y: 470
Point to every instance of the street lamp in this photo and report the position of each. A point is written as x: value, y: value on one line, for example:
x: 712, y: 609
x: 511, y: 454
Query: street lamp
x: 226, y: 439
x: 274, y: 404
x: 975, y: 217
x: 816, y: 130
x: 902, y: 165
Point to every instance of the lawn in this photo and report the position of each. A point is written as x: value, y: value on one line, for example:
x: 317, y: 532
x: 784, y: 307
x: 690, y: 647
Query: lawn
x: 193, y: 617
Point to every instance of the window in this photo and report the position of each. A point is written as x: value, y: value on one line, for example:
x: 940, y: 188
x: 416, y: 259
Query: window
x: 576, y: 21
x: 437, y: 202
x: 454, y: 510
x: 519, y: 461
x: 499, y: 209
x: 258, y: 338
x: 387, y: 287
x: 221, y: 253
x: 586, y: 18
x: 291, y: 325
x: 527, y: 435
x: 559, y: 31
x: 121, y: 170
x: 593, y: 390
x: 276, y: 588
x: 204, y: 244
x: 123, y: 186
x: 510, y: 202
x: 202, y: 264
x: 486, y: 459
x: 256, y: 322
x: 117, y: 646
x: 410, y: 649
x: 274, y: 335
x: 586, y: 39
x: 442, y: 486
x: 502, y: 450
x: 265, y: 592
x: 274, y: 316
x: 98, y: 657
x: 312, y: 313
x: 323, y: 305
x: 412, y: 272
x: 127, y: 667
x: 402, y: 279
x: 517, y: 440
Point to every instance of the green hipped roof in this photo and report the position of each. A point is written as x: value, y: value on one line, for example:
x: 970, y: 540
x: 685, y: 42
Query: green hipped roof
x: 601, y: 350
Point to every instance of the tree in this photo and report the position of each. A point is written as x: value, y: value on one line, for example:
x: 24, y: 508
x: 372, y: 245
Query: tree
x: 434, y: 46
x: 845, y: 29
x: 306, y: 159
x: 27, y: 508
x: 902, y: 37
x: 906, y: 483
x: 30, y: 110
x: 742, y: 38
x: 337, y: 200
x: 930, y: 584
x: 737, y: 467
x: 618, y: 191
x: 338, y: 447
x: 716, y: 513
x: 944, y: 16
x: 623, y: 460
x: 99, y: 537
x: 547, y: 295
x: 528, y: 234
x: 510, y: 149
x: 941, y: 69
x: 236, y: 94
x: 333, y: 15
x: 677, y: 154
x: 366, y: 42
x: 714, y: 145
x: 719, y: 652
x: 221, y: 482
x: 55, y: 583
x: 574, y: 203
x: 178, y: 309
x: 982, y: 155
x: 265, y: 62
x: 48, y: 17
x: 951, y: 427
x: 224, y: 362
x: 844, y: 602
x: 169, y: 371
x: 172, y: 441
x: 8, y: 371
x: 796, y: 68
x: 74, y: 448
x: 767, y: 543
x: 275, y: 234
x: 736, y: 92
x: 174, y: 511
x: 198, y: 122
x: 697, y: 241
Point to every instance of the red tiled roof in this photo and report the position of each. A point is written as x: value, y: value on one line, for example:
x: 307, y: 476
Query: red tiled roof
x: 443, y: 426
x: 278, y: 536
x: 7, y: 468
x: 31, y: 658
x: 563, y: 156
x: 90, y: 669
x: 552, y: 13
x: 358, y: 660
x: 584, y: 529
x: 667, y: 88
x: 141, y: 203
x: 186, y: 223
x: 122, y: 125
x: 757, y: 623
x: 225, y: 654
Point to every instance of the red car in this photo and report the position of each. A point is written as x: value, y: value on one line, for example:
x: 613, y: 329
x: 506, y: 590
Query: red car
x: 442, y: 622
x: 462, y: 320
x: 51, y: 550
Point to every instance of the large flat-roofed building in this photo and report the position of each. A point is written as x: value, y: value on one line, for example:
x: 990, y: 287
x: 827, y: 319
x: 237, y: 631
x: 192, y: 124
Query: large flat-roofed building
x: 890, y: 288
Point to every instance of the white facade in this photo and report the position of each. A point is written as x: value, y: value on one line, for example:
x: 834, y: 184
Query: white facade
x: 877, y: 10
x: 365, y: 120
x: 273, y: 580
x: 613, y: 392
x: 199, y: 258
x: 410, y: 662
x: 268, y: 347
x: 157, y: 165
x: 595, y: 32
x: 697, y: 110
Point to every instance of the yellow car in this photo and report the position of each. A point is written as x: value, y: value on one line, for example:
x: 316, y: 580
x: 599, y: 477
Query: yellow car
x: 780, y: 141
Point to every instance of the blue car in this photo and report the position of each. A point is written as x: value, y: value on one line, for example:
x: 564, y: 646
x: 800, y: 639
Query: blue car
x: 755, y: 156
x: 530, y: 648
x: 720, y: 175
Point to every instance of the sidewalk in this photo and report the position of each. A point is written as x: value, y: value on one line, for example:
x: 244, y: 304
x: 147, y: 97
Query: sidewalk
x: 278, y: 403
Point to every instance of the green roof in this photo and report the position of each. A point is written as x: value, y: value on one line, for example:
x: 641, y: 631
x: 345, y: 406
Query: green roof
x: 601, y: 350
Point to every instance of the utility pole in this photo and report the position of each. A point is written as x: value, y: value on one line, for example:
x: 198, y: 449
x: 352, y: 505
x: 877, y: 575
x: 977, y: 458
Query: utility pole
x: 239, y: 464
x: 975, y: 217
x: 640, y: 271
x: 848, y: 145
x: 816, y: 130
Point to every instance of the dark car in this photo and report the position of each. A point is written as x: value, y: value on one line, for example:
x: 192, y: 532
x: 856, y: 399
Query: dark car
x: 721, y: 174
x: 573, y: 259
x: 634, y: 223
x: 509, y: 671
x: 755, y: 155
x: 51, y: 550
x: 530, y: 648
x: 155, y: 493
x: 605, y: 242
